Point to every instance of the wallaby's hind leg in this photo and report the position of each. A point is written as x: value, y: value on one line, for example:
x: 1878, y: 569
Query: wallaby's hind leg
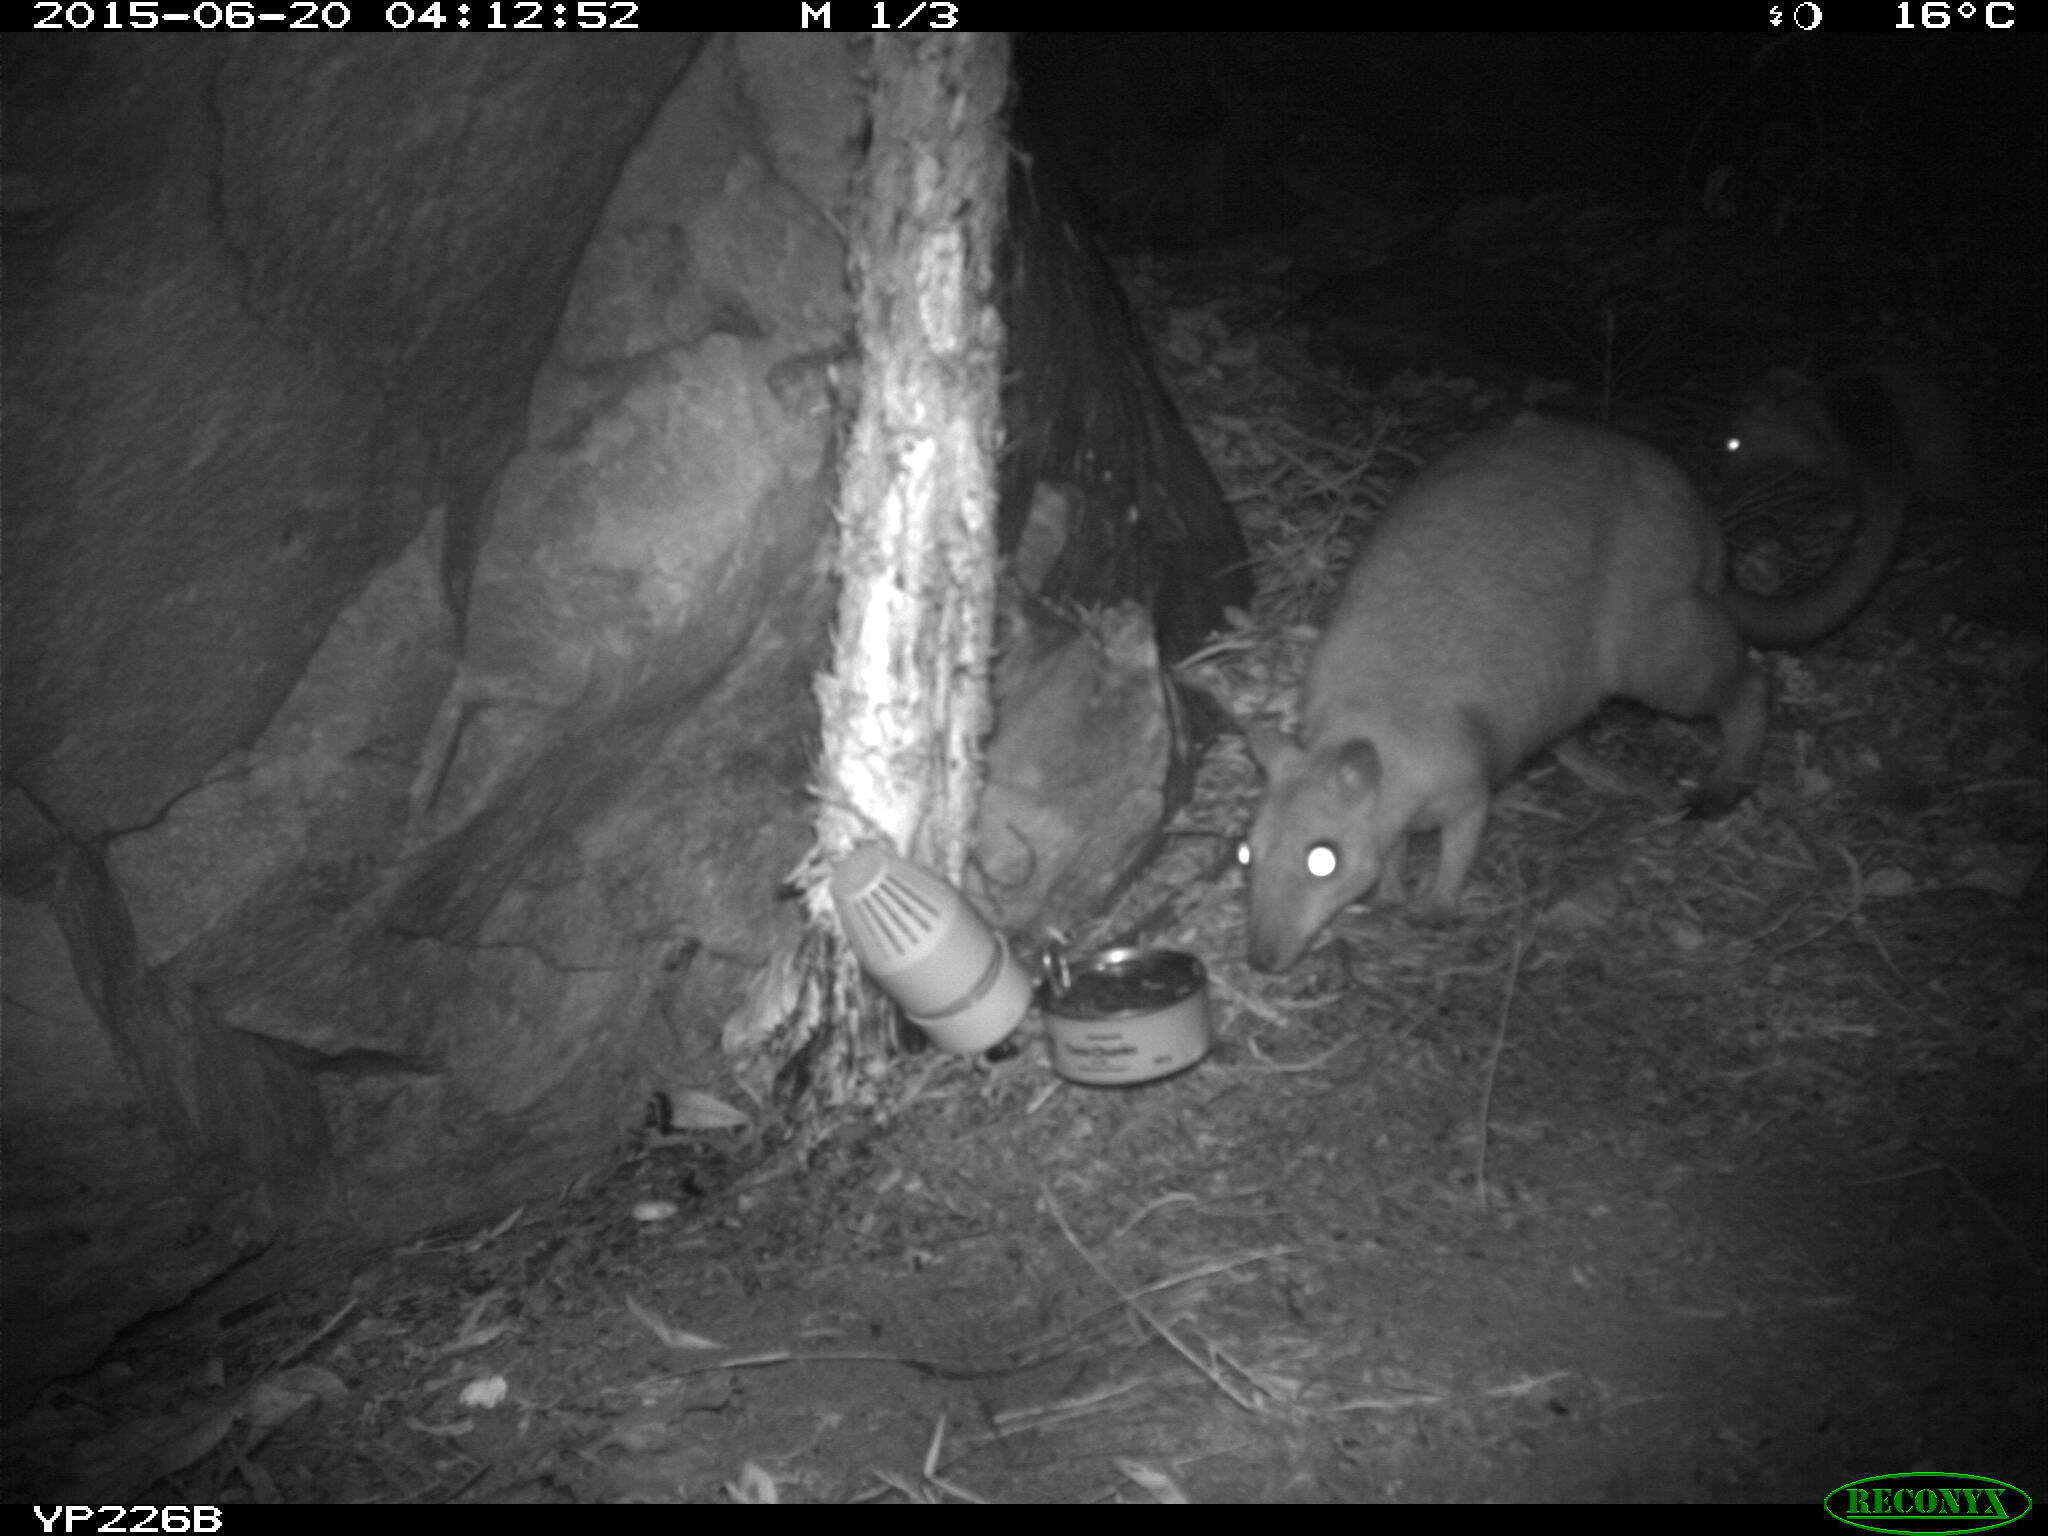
x: 1745, y: 717
x: 1700, y: 666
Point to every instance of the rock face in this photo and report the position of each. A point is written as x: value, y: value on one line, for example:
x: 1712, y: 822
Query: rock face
x: 412, y: 550
x: 1078, y: 771
x: 418, y: 478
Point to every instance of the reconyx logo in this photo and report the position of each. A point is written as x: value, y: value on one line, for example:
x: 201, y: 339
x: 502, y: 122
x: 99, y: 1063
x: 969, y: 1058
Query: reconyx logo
x: 1949, y: 1502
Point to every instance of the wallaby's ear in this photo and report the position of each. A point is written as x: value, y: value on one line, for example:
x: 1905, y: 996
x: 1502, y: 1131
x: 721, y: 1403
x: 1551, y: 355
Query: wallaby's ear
x: 1358, y: 769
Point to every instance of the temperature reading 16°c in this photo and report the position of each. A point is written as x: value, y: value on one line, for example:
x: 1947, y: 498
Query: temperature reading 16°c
x: 1940, y: 15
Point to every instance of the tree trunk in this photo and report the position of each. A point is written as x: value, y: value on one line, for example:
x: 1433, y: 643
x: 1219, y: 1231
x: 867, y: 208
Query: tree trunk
x: 905, y: 710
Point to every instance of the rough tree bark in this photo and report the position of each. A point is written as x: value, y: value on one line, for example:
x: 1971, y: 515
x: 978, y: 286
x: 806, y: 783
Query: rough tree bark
x: 905, y: 710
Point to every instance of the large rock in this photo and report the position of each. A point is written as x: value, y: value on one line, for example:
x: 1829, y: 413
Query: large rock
x: 419, y: 471
x: 268, y: 300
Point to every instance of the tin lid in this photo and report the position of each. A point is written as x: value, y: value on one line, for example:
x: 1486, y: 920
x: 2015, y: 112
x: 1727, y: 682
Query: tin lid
x: 1125, y: 983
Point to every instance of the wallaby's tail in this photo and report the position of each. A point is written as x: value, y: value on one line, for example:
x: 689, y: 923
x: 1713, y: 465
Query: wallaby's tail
x: 1804, y: 617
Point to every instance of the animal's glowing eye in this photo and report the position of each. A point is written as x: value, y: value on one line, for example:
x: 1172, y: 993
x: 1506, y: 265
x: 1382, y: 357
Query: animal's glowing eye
x: 1321, y: 861
x: 1733, y: 445
x: 1244, y: 854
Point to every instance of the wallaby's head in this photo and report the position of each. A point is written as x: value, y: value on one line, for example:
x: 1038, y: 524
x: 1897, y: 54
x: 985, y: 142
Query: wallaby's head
x: 1313, y: 848
x: 1784, y: 426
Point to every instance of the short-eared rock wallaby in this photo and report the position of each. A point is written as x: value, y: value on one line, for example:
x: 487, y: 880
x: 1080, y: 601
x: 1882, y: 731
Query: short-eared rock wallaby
x: 1517, y: 583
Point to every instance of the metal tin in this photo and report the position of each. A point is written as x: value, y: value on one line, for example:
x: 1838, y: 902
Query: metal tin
x: 1127, y: 1016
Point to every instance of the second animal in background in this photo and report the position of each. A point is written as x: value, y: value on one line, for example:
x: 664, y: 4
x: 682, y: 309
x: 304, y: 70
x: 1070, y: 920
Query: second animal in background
x: 1515, y: 585
x: 1889, y: 425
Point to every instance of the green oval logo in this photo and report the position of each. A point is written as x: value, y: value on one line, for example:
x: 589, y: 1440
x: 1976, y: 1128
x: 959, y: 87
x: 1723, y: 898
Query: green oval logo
x: 1912, y: 1502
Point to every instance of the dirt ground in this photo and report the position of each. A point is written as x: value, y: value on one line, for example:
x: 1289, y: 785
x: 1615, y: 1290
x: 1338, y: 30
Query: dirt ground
x: 1689, y: 1162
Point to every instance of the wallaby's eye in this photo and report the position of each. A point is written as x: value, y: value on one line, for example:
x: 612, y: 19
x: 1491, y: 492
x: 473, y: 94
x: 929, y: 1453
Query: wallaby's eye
x: 1244, y: 854
x: 1733, y: 445
x: 1321, y: 861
